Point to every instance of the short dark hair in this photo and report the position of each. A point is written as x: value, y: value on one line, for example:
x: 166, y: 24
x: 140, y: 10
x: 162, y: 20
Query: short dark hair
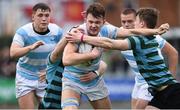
x: 128, y: 11
x: 42, y: 6
x: 149, y: 16
x: 96, y: 9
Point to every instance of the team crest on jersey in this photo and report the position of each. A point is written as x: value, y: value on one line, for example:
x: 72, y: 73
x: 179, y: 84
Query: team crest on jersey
x: 53, y: 37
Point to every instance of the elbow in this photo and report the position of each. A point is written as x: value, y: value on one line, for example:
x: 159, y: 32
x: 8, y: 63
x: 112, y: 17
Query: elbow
x: 66, y: 61
x: 173, y: 55
x: 176, y: 54
x: 104, y: 66
x: 12, y: 55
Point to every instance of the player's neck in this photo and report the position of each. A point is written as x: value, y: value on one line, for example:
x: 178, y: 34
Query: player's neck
x: 40, y: 31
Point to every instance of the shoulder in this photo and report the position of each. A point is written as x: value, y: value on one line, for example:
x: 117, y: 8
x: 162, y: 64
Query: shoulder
x: 135, y: 41
x: 108, y: 26
x: 134, y: 38
x: 55, y: 29
x: 25, y: 29
x: 159, y: 38
x: 52, y: 25
x: 108, y: 30
x: 83, y: 27
x: 161, y: 41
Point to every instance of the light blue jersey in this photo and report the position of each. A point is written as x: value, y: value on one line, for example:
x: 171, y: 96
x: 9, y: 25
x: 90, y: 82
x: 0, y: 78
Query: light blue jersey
x: 74, y: 72
x: 128, y: 54
x: 30, y: 64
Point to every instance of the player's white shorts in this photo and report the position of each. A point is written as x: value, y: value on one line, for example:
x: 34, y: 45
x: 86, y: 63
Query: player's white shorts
x: 96, y: 92
x: 141, y: 92
x: 24, y: 86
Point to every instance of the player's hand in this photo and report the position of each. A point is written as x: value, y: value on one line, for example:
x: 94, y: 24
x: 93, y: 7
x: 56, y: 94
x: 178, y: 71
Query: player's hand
x: 76, y: 30
x: 36, y: 45
x: 95, y: 52
x: 88, y: 77
x: 74, y: 36
x: 163, y: 28
x: 42, y: 76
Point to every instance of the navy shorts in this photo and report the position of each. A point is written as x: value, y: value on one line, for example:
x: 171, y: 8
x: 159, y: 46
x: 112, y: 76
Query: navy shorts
x: 169, y: 98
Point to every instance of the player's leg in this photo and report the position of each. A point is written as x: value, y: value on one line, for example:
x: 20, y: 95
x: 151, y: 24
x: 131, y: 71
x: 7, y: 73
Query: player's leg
x: 141, y: 104
x: 133, y: 103
x: 149, y: 107
x: 101, y: 103
x: 144, y: 96
x: 134, y: 96
x: 98, y: 96
x: 27, y: 101
x: 70, y: 99
x: 25, y: 92
x: 140, y: 96
x: 40, y: 90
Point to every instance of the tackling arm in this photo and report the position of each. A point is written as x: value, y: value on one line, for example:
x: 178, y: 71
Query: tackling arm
x: 58, y: 51
x: 172, y: 55
x: 107, y: 43
x: 142, y: 31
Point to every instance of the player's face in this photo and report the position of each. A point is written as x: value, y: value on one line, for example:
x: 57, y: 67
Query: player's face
x: 41, y: 19
x: 139, y: 23
x: 127, y: 21
x: 94, y: 24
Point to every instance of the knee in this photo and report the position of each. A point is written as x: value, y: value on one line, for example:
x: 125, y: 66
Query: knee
x: 70, y: 104
x: 70, y: 108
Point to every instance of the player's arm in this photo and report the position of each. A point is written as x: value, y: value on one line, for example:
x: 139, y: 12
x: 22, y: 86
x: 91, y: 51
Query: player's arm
x: 79, y: 37
x: 102, y: 68
x: 172, y: 55
x: 129, y: 32
x: 107, y: 43
x: 55, y: 55
x: 92, y: 75
x: 98, y: 41
x: 17, y: 51
x: 58, y: 51
x: 72, y: 57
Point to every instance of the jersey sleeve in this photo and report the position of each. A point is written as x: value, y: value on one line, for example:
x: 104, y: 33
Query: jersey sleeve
x: 132, y: 43
x: 49, y: 62
x: 19, y: 37
x: 109, y: 31
x: 59, y: 35
x: 160, y: 41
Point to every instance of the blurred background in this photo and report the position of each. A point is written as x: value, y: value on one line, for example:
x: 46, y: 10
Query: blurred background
x: 67, y: 13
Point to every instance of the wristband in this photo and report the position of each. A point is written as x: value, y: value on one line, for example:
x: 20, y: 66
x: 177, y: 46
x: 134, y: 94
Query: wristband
x: 82, y: 37
x: 97, y: 73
